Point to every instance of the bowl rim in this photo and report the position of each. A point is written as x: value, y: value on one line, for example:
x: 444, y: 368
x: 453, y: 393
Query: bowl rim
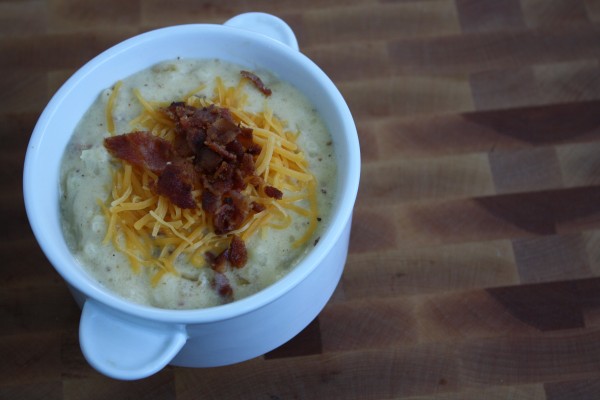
x: 340, y: 217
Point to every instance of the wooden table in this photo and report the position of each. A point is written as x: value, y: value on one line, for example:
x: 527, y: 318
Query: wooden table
x: 475, y: 253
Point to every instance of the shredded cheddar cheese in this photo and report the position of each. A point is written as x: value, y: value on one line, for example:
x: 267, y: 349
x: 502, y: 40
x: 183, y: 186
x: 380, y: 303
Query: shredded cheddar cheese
x: 110, y: 122
x: 154, y: 233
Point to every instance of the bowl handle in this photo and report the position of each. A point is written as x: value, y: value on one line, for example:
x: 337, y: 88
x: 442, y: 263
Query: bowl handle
x: 265, y: 24
x: 126, y: 347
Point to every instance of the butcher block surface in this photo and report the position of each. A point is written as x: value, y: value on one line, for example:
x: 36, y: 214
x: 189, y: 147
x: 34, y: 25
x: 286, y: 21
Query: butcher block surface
x: 474, y: 265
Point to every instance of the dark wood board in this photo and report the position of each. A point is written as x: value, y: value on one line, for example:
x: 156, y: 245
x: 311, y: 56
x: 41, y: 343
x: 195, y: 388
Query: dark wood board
x: 474, y: 266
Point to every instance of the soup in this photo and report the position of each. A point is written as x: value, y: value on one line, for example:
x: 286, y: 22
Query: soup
x: 155, y: 236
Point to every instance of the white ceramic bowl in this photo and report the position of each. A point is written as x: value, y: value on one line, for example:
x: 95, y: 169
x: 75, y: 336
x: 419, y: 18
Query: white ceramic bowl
x: 130, y: 341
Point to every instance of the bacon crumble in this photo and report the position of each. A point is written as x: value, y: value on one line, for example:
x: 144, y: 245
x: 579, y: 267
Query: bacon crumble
x: 222, y: 285
x: 273, y: 192
x: 177, y: 182
x: 236, y: 254
x: 257, y: 82
x: 141, y: 149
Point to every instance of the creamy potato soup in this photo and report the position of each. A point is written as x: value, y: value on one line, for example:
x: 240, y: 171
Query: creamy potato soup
x: 192, y: 184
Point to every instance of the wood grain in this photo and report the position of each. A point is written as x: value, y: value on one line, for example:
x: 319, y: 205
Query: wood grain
x: 474, y: 265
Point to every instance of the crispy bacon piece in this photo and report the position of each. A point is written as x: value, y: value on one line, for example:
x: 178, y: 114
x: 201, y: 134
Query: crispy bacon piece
x: 254, y: 149
x: 226, y: 219
x: 238, y: 256
x: 177, y: 183
x: 257, y: 82
x: 141, y: 149
x: 273, y: 192
x: 257, y: 207
x: 222, y: 286
x: 210, y: 201
x: 191, y: 125
x: 145, y: 150
x: 216, y: 263
x: 231, y: 213
x: 247, y: 166
x: 207, y: 161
